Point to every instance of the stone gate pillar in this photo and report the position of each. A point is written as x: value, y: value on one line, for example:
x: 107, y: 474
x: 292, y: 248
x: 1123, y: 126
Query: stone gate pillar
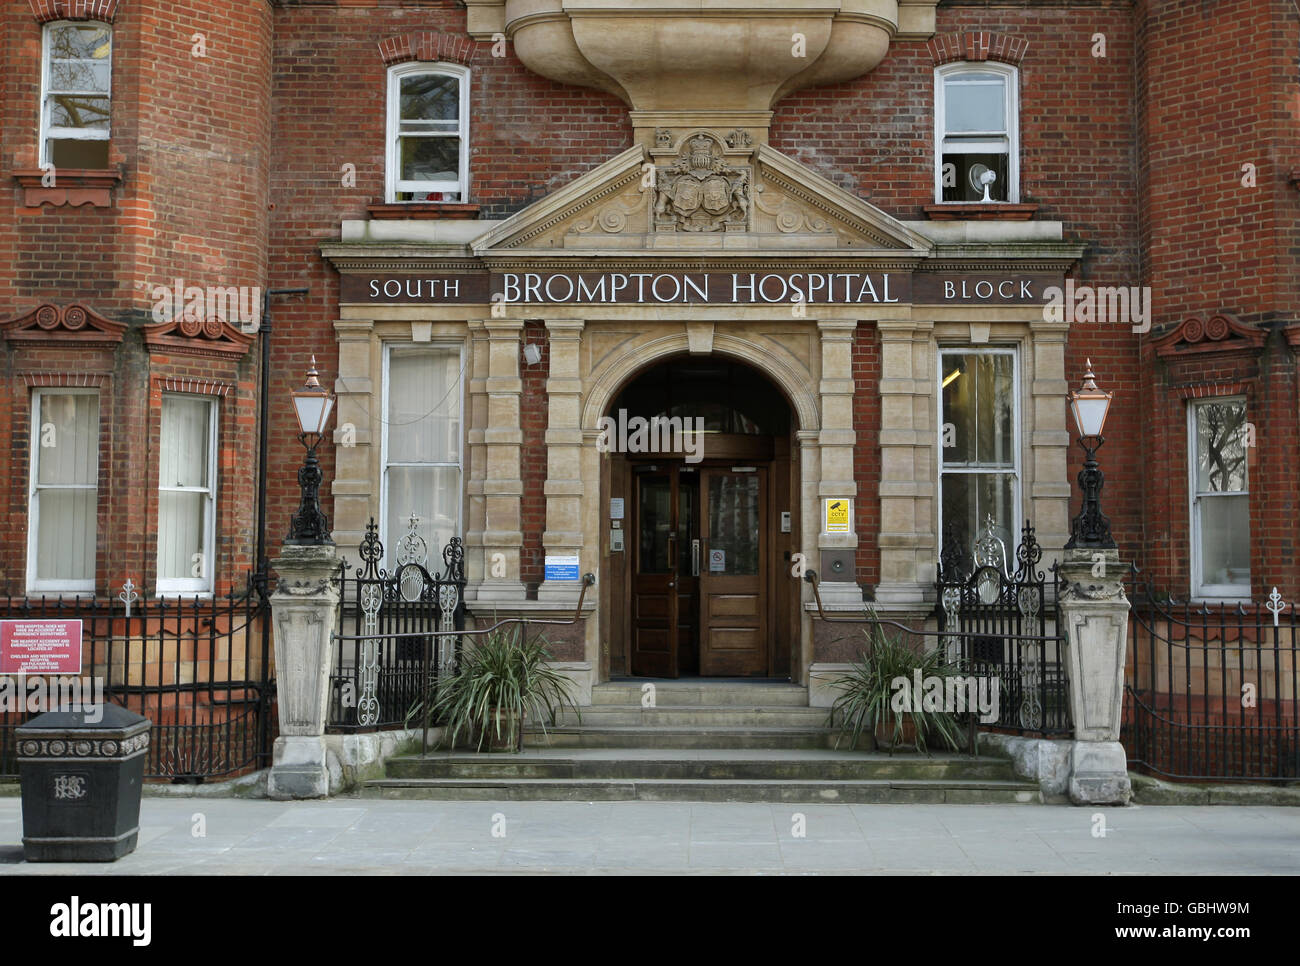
x: 304, y: 609
x: 1094, y: 614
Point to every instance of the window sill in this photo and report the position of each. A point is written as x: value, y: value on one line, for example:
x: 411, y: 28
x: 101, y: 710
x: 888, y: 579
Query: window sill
x: 978, y: 211
x: 450, y: 210
x: 72, y: 187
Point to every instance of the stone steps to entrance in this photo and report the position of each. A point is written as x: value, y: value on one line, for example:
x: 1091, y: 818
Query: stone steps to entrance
x: 765, y: 790
x: 704, y: 716
x: 694, y: 692
x: 703, y: 739
x: 655, y: 773
x: 805, y: 765
x: 677, y: 736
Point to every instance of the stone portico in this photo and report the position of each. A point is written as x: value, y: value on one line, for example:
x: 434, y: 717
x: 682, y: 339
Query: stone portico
x: 607, y: 227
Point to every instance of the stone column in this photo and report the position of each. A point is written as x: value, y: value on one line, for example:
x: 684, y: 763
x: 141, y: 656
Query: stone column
x: 563, y: 488
x: 1094, y: 614
x: 835, y: 442
x: 503, y: 487
x: 304, y: 609
x: 908, y: 430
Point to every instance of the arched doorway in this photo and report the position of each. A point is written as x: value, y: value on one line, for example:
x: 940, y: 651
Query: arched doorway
x: 702, y: 516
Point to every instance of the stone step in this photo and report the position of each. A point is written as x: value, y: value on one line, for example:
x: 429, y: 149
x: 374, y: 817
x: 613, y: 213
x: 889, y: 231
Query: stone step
x: 724, y: 764
x: 692, y: 692
x: 676, y: 736
x: 707, y: 716
x: 703, y: 790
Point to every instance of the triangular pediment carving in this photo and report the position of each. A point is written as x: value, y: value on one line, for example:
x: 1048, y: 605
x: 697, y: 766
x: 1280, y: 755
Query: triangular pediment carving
x: 1220, y: 333
x: 73, y: 325
x: 211, y: 336
x: 698, y: 195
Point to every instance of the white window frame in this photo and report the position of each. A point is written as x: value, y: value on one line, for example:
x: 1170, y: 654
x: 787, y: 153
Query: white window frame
x: 435, y: 553
x: 69, y: 133
x: 1202, y: 591
x: 199, y: 586
x: 1017, y: 415
x: 392, y: 184
x: 55, y: 585
x: 1012, y: 135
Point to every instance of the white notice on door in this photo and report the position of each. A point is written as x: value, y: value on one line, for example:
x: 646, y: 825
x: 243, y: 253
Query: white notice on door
x: 616, y: 508
x: 717, y: 561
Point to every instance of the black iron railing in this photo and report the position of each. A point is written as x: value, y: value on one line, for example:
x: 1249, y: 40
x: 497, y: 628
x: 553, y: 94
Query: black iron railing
x: 199, y: 668
x: 1211, y: 690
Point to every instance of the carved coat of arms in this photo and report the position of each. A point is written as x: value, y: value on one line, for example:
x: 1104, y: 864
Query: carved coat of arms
x: 700, y: 191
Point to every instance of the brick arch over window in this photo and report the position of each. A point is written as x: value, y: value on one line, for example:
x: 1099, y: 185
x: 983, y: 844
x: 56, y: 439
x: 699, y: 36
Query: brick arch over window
x: 427, y: 45
x: 977, y: 45
x: 47, y: 10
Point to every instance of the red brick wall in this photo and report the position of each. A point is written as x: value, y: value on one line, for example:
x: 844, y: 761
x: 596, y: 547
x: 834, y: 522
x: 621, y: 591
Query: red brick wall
x: 1218, y: 90
x: 866, y: 452
x: 528, y: 137
x: 533, y: 419
x: 190, y: 139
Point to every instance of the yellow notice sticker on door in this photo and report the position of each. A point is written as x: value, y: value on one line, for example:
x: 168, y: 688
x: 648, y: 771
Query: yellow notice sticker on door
x: 837, y: 515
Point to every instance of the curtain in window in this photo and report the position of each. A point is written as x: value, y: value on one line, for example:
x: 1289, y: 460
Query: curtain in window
x: 424, y: 446
x: 184, y: 487
x: 67, y: 472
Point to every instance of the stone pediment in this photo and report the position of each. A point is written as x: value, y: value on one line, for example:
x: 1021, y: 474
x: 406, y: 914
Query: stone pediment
x: 697, y: 194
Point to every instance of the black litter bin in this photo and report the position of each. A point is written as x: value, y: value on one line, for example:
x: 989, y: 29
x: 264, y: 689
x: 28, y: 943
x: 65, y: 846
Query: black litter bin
x: 82, y: 773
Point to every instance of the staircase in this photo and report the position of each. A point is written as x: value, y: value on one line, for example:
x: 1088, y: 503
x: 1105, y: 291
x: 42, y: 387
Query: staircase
x: 705, y: 740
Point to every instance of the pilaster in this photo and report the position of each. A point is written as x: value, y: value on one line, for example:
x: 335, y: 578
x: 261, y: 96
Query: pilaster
x: 835, y: 441
x: 502, y: 487
x: 563, y: 489
x: 907, y: 463
x: 357, y: 425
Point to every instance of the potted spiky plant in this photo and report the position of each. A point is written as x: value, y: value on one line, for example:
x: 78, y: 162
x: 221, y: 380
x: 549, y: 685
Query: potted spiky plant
x: 869, y: 699
x: 503, y: 680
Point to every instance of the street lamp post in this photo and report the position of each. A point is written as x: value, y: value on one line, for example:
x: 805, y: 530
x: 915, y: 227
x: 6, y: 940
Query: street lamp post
x: 1090, y: 405
x: 311, y: 404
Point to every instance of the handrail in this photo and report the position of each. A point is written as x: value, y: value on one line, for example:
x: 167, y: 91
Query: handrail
x: 811, y: 577
x: 588, y: 580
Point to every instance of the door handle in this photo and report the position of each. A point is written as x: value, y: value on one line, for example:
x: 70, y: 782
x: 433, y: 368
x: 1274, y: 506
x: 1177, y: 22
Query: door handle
x: 695, y: 558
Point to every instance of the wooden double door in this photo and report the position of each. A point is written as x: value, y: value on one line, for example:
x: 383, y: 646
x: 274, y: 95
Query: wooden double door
x: 699, y: 570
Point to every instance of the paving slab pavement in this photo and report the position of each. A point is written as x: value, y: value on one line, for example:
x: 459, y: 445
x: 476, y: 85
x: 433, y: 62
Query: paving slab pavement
x: 356, y: 837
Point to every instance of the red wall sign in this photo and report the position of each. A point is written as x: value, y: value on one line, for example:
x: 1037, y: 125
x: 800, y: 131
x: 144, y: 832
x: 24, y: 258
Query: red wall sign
x: 40, y: 647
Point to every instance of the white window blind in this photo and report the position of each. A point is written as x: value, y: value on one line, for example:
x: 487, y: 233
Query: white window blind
x: 186, y: 492
x: 64, y: 490
x: 422, y: 432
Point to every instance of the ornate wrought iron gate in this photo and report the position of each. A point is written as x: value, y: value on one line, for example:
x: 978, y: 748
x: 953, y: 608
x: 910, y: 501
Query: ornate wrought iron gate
x: 1003, y: 623
x: 391, y: 650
